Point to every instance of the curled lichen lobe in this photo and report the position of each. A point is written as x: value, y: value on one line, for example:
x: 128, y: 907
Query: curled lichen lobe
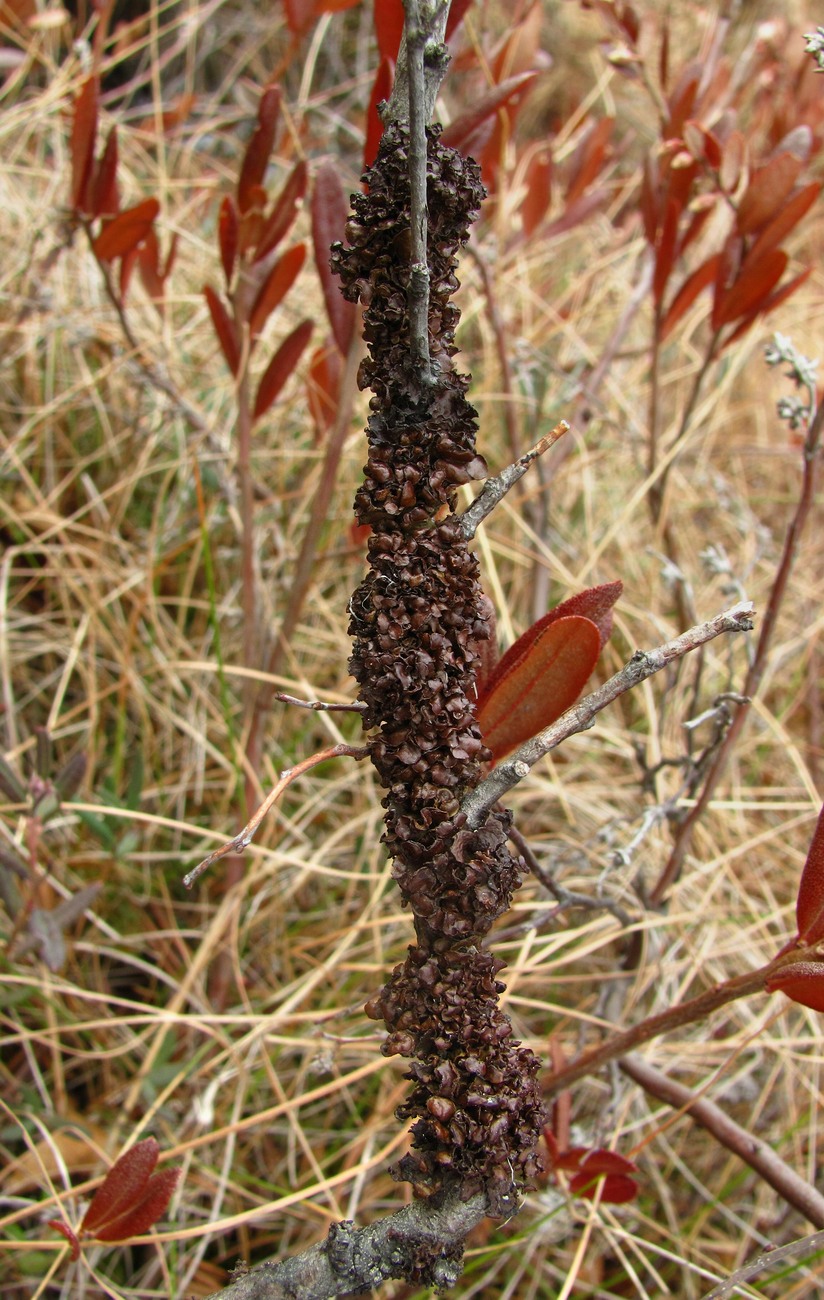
x: 417, y: 621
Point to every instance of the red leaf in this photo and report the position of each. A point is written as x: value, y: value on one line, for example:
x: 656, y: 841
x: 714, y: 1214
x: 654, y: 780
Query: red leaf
x: 284, y: 211
x: 615, y: 1170
x: 256, y: 158
x: 809, y: 908
x: 125, y: 231
x: 546, y: 679
x: 595, y: 604
x: 769, y: 304
x: 281, y: 366
x: 753, y: 284
x: 103, y: 199
x: 122, y: 1187
x: 767, y: 191
x: 786, y: 219
x: 224, y: 329
x: 68, y: 1233
x: 227, y: 237
x: 278, y: 283
x: 323, y: 386
x: 147, y: 1210
x: 588, y: 158
x: 148, y: 258
x: 456, y: 13
x: 381, y: 89
x: 84, y: 130
x: 650, y: 200
x: 682, y: 99
x: 803, y: 981
x: 519, y: 48
x: 329, y: 213
x: 388, y: 19
x: 299, y: 15
x: 700, y: 279
x: 333, y: 6
x: 461, y: 133
x: 538, y: 185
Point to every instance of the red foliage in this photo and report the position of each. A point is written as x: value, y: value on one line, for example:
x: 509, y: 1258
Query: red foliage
x: 125, y: 231
x: 810, y: 903
x: 330, y: 211
x: 281, y: 366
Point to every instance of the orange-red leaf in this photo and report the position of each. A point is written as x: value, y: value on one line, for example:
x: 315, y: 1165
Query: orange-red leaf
x: 103, y: 199
x: 809, y: 908
x: 284, y: 211
x: 595, y: 603
x: 256, y: 158
x: 752, y: 286
x: 381, y: 89
x: 767, y: 191
x: 147, y: 1209
x: 588, y: 158
x: 700, y: 279
x: 125, y: 231
x: 224, y: 328
x: 388, y: 19
x: 786, y: 219
x: 461, y: 133
x: 329, y: 213
x: 84, y: 130
x: 323, y: 385
x: 227, y: 237
x: 456, y: 12
x: 122, y: 1187
x: 803, y: 981
x: 281, y: 366
x: 665, y: 252
x: 278, y: 283
x: 546, y: 679
x: 299, y: 15
x: 66, y: 1231
x: 538, y: 187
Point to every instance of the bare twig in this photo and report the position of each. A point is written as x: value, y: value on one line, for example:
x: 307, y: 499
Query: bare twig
x: 495, y: 489
x: 795, y: 1251
x: 643, y: 664
x: 749, y: 1148
x: 680, y: 848
x: 418, y: 291
x: 685, y: 1013
x: 320, y: 706
x: 420, y: 1242
x: 244, y: 839
x: 432, y: 15
x: 564, y: 897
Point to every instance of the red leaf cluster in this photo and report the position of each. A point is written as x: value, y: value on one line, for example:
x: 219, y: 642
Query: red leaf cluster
x: 594, y: 1171
x: 803, y: 981
x: 130, y: 1199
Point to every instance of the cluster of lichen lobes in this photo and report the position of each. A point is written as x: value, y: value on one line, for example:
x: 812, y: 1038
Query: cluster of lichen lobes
x: 416, y: 621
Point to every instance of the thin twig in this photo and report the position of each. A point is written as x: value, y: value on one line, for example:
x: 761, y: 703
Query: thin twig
x: 434, y: 14
x: 684, y: 1013
x: 749, y: 1148
x: 244, y: 839
x: 418, y: 291
x: 495, y: 489
x: 564, y: 897
x: 752, y: 682
x: 643, y: 664
x: 795, y: 1251
x: 320, y: 706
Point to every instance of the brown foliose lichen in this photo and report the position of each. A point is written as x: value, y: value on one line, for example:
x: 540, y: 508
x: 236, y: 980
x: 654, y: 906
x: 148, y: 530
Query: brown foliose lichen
x: 416, y: 622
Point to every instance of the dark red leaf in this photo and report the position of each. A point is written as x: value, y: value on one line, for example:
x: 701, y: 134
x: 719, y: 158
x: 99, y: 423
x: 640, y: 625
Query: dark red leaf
x: 299, y: 15
x: 281, y: 366
x: 595, y: 604
x: 259, y: 148
x: 381, y: 89
x: 84, y: 130
x: 103, y: 198
x: 333, y: 6
x: 323, y: 386
x: 127, y: 264
x: 613, y: 1189
x: 774, y: 300
x: 330, y: 210
x: 588, y: 158
x: 809, y: 908
x: 461, y: 133
x: 700, y: 279
x: 753, y: 284
x: 147, y: 1210
x: 66, y: 1231
x: 284, y: 210
x: 388, y: 18
x: 767, y: 191
x: 538, y: 187
x: 457, y: 11
x: 786, y: 219
x: 224, y: 329
x: 650, y: 200
x: 227, y: 237
x: 123, y: 1186
x: 125, y: 231
x: 544, y: 682
x: 278, y: 283
x: 803, y: 981
x: 148, y: 259
x: 682, y: 99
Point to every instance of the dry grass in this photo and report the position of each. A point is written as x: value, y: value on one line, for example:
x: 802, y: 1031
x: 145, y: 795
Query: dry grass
x: 274, y: 1097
